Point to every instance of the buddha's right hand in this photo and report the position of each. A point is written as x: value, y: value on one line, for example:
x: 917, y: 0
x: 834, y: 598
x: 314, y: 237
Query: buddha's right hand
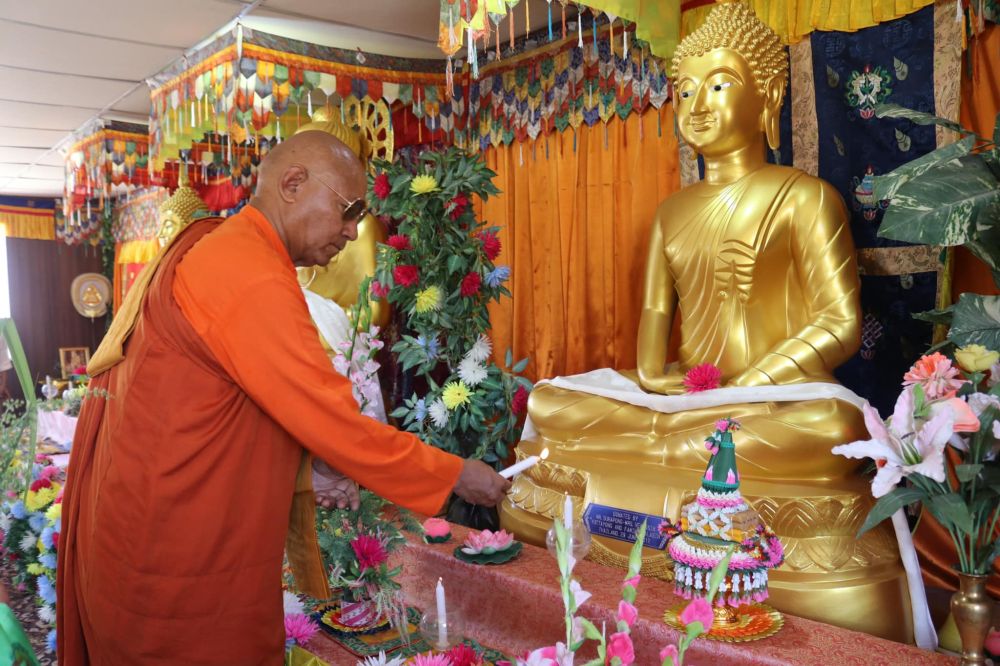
x: 480, y: 484
x: 666, y: 383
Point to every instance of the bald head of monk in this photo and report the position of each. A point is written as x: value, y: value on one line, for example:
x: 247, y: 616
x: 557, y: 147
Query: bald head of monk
x: 309, y: 187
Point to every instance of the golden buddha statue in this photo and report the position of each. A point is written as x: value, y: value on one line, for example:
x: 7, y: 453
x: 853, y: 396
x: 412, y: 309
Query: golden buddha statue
x: 758, y: 262
x: 178, y: 210
x: 340, y: 279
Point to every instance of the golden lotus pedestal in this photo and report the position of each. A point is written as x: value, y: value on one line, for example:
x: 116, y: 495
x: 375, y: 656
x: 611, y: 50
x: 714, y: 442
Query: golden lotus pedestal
x: 829, y: 575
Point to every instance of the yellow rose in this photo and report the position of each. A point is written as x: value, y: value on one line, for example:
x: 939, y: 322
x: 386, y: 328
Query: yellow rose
x: 423, y: 184
x: 976, y: 358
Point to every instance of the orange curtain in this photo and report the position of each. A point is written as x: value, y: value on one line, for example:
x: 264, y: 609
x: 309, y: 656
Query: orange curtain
x: 575, y: 217
x: 980, y: 105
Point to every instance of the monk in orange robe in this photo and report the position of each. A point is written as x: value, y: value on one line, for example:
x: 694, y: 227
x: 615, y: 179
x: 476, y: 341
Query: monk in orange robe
x: 192, y: 464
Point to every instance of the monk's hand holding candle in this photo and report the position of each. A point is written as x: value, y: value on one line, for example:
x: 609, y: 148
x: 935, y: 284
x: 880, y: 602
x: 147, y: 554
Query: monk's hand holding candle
x: 480, y: 484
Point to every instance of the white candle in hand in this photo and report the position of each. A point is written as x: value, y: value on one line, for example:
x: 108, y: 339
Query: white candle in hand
x: 568, y: 515
x: 517, y: 468
x: 442, y: 613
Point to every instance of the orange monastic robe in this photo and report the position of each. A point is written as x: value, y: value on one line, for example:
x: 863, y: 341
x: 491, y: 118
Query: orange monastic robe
x: 181, y: 482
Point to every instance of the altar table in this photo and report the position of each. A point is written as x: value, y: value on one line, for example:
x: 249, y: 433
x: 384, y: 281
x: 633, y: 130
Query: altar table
x: 517, y: 607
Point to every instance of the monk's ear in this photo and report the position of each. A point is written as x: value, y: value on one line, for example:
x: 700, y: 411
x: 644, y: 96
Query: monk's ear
x: 292, y: 181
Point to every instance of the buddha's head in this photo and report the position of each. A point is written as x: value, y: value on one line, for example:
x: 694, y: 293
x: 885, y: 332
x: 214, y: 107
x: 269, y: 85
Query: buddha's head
x: 729, y: 82
x: 178, y: 211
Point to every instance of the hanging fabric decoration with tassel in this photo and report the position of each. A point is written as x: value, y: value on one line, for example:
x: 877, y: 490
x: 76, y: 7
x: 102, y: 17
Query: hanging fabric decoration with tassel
x: 550, y: 20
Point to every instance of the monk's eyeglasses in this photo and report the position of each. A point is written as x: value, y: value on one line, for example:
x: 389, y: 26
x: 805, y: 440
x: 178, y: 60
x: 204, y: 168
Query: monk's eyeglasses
x: 353, y: 210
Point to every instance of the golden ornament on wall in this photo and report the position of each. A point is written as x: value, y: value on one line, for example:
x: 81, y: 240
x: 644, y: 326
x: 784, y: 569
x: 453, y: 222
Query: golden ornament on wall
x: 91, y: 293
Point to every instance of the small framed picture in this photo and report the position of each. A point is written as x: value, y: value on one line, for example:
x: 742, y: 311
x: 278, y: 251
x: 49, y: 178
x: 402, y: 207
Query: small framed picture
x: 72, y: 359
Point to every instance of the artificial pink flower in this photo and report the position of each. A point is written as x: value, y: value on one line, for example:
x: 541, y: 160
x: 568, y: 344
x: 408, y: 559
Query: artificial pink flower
x: 699, y: 610
x: 299, y: 628
x: 704, y: 377
x: 935, y: 374
x: 436, y: 528
x: 463, y: 655
x: 460, y: 202
x: 406, y: 275
x: 519, y: 401
x: 369, y: 551
x: 399, y: 242
x: 491, y: 244
x: 471, y: 283
x: 993, y: 639
x: 430, y: 660
x: 379, y: 290
x: 627, y: 612
x: 381, y: 187
x: 669, y: 652
x: 634, y: 580
x: 620, y: 645
x: 966, y: 414
x: 487, y: 542
x: 49, y: 472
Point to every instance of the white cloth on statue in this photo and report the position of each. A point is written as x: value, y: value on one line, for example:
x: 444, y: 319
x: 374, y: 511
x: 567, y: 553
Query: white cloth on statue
x: 332, y: 323
x: 611, y: 384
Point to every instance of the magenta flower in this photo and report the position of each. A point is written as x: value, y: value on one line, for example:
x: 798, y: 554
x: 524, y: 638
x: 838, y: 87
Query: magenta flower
x: 704, y: 377
x: 669, y: 652
x: 299, y: 628
x: 620, y: 645
x: 699, y: 610
x: 627, y: 613
x: 369, y: 551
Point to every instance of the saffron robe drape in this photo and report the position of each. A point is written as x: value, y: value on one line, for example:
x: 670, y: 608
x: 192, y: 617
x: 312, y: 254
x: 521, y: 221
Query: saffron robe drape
x: 181, y: 483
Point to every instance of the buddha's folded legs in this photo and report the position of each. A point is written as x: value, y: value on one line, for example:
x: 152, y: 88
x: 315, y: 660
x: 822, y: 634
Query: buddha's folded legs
x: 786, y: 440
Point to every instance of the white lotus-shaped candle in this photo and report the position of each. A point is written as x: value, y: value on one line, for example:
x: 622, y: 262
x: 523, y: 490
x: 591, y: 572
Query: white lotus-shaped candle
x: 487, y: 542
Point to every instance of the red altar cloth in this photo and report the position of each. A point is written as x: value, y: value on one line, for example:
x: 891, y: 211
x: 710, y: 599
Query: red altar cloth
x: 517, y: 606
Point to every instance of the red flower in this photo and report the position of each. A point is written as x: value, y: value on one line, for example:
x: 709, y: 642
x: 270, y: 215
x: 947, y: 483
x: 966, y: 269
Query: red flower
x: 41, y: 483
x: 381, y: 186
x: 471, y: 283
x: 399, y: 242
x: 520, y: 400
x: 463, y: 655
x: 379, y: 290
x: 491, y: 244
x: 406, y: 275
x: 702, y: 377
x: 369, y: 551
x: 55, y: 541
x: 460, y: 202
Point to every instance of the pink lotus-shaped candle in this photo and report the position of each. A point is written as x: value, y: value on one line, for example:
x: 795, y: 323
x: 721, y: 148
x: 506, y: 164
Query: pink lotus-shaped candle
x: 437, y: 530
x: 487, y: 542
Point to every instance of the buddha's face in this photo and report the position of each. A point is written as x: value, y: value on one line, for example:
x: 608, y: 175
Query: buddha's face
x: 719, y: 109
x: 169, y: 226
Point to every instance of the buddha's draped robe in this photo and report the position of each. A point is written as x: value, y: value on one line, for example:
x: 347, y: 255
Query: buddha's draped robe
x: 181, y: 483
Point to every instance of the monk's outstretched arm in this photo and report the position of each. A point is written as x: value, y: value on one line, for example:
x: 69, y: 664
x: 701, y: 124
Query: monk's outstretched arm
x: 826, y: 266
x: 269, y: 346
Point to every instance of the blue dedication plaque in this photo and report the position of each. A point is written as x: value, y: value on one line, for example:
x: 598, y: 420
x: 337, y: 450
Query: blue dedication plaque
x: 622, y: 524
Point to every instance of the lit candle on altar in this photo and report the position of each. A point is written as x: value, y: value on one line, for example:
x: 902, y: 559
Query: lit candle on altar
x: 530, y: 461
x: 568, y: 515
x: 442, y: 613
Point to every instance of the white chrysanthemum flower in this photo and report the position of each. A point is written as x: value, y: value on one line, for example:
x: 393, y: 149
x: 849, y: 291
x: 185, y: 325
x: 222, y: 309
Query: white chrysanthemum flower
x: 382, y: 660
x: 471, y: 372
x: 5, y: 522
x: 47, y: 614
x: 480, y: 351
x: 438, y: 413
x: 292, y: 603
x: 28, y: 542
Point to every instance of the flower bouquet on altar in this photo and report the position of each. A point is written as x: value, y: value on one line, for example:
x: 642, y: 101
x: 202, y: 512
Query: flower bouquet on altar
x: 439, y: 270
x: 356, y: 546
x: 942, y: 439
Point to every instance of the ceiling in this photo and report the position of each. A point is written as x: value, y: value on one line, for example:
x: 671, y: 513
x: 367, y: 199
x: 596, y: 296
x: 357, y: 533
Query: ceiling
x: 66, y: 63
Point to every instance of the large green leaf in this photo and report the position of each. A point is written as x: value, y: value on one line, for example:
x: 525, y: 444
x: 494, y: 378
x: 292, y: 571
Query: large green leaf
x: 888, y: 505
x: 951, y: 510
x: 945, y: 205
x: 918, y: 117
x: 976, y: 321
x: 886, y: 185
